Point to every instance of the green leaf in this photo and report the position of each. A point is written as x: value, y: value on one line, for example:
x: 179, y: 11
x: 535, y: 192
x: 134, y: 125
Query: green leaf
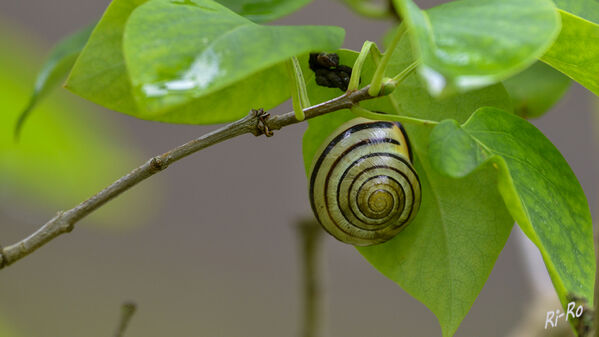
x: 199, y: 51
x: 100, y: 74
x: 537, y: 184
x: 55, y: 69
x: 444, y: 257
x: 370, y: 9
x: 263, y: 10
x: 535, y: 90
x: 65, y: 155
x: 586, y: 9
x: 470, y: 44
x: 576, y: 51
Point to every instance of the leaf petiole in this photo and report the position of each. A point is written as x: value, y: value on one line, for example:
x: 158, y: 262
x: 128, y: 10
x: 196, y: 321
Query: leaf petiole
x: 377, y: 79
x: 367, y: 48
x: 404, y: 73
x: 362, y: 112
x: 299, y: 94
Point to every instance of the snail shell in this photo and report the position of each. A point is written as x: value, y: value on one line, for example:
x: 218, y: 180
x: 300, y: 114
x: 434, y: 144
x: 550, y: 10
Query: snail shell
x: 363, y: 187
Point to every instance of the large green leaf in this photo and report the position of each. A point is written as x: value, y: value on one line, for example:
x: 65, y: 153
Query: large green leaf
x: 576, y: 51
x: 55, y: 69
x: 65, y: 154
x: 537, y: 184
x: 469, y: 44
x: 263, y: 10
x: 444, y: 257
x: 535, y: 90
x: 194, y: 51
x: 101, y: 75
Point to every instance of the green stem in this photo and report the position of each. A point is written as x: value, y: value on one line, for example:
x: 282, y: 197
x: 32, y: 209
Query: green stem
x: 127, y: 310
x: 362, y: 112
x: 389, y: 84
x: 377, y: 79
x: 354, y: 81
x: 299, y: 94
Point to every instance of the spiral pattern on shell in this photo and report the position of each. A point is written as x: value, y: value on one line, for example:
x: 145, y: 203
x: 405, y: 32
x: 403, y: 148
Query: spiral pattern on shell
x: 363, y: 187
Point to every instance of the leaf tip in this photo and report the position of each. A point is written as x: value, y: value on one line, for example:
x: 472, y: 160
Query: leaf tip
x: 21, y: 120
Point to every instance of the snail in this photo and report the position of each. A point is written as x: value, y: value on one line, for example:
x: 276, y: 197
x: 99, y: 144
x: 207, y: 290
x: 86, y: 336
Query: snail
x: 363, y: 188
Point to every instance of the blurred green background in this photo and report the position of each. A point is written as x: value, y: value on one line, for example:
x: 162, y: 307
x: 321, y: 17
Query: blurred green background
x: 208, y: 247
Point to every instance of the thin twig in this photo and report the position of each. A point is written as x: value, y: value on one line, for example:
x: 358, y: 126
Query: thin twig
x: 127, y: 311
x: 255, y: 123
x: 310, y: 232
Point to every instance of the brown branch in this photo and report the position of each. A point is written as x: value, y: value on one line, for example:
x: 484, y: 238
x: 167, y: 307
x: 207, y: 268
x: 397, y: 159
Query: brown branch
x: 127, y: 311
x: 256, y: 123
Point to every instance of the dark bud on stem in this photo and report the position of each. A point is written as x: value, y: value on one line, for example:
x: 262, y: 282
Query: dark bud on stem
x: 328, y: 71
x: 328, y: 60
x: 323, y: 61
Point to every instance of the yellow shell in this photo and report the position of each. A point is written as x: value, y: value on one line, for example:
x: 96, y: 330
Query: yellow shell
x: 363, y: 187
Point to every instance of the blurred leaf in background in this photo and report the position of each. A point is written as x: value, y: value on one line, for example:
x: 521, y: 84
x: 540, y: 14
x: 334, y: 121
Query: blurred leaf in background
x: 55, y: 69
x: 536, y: 90
x: 7, y: 330
x: 66, y: 153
